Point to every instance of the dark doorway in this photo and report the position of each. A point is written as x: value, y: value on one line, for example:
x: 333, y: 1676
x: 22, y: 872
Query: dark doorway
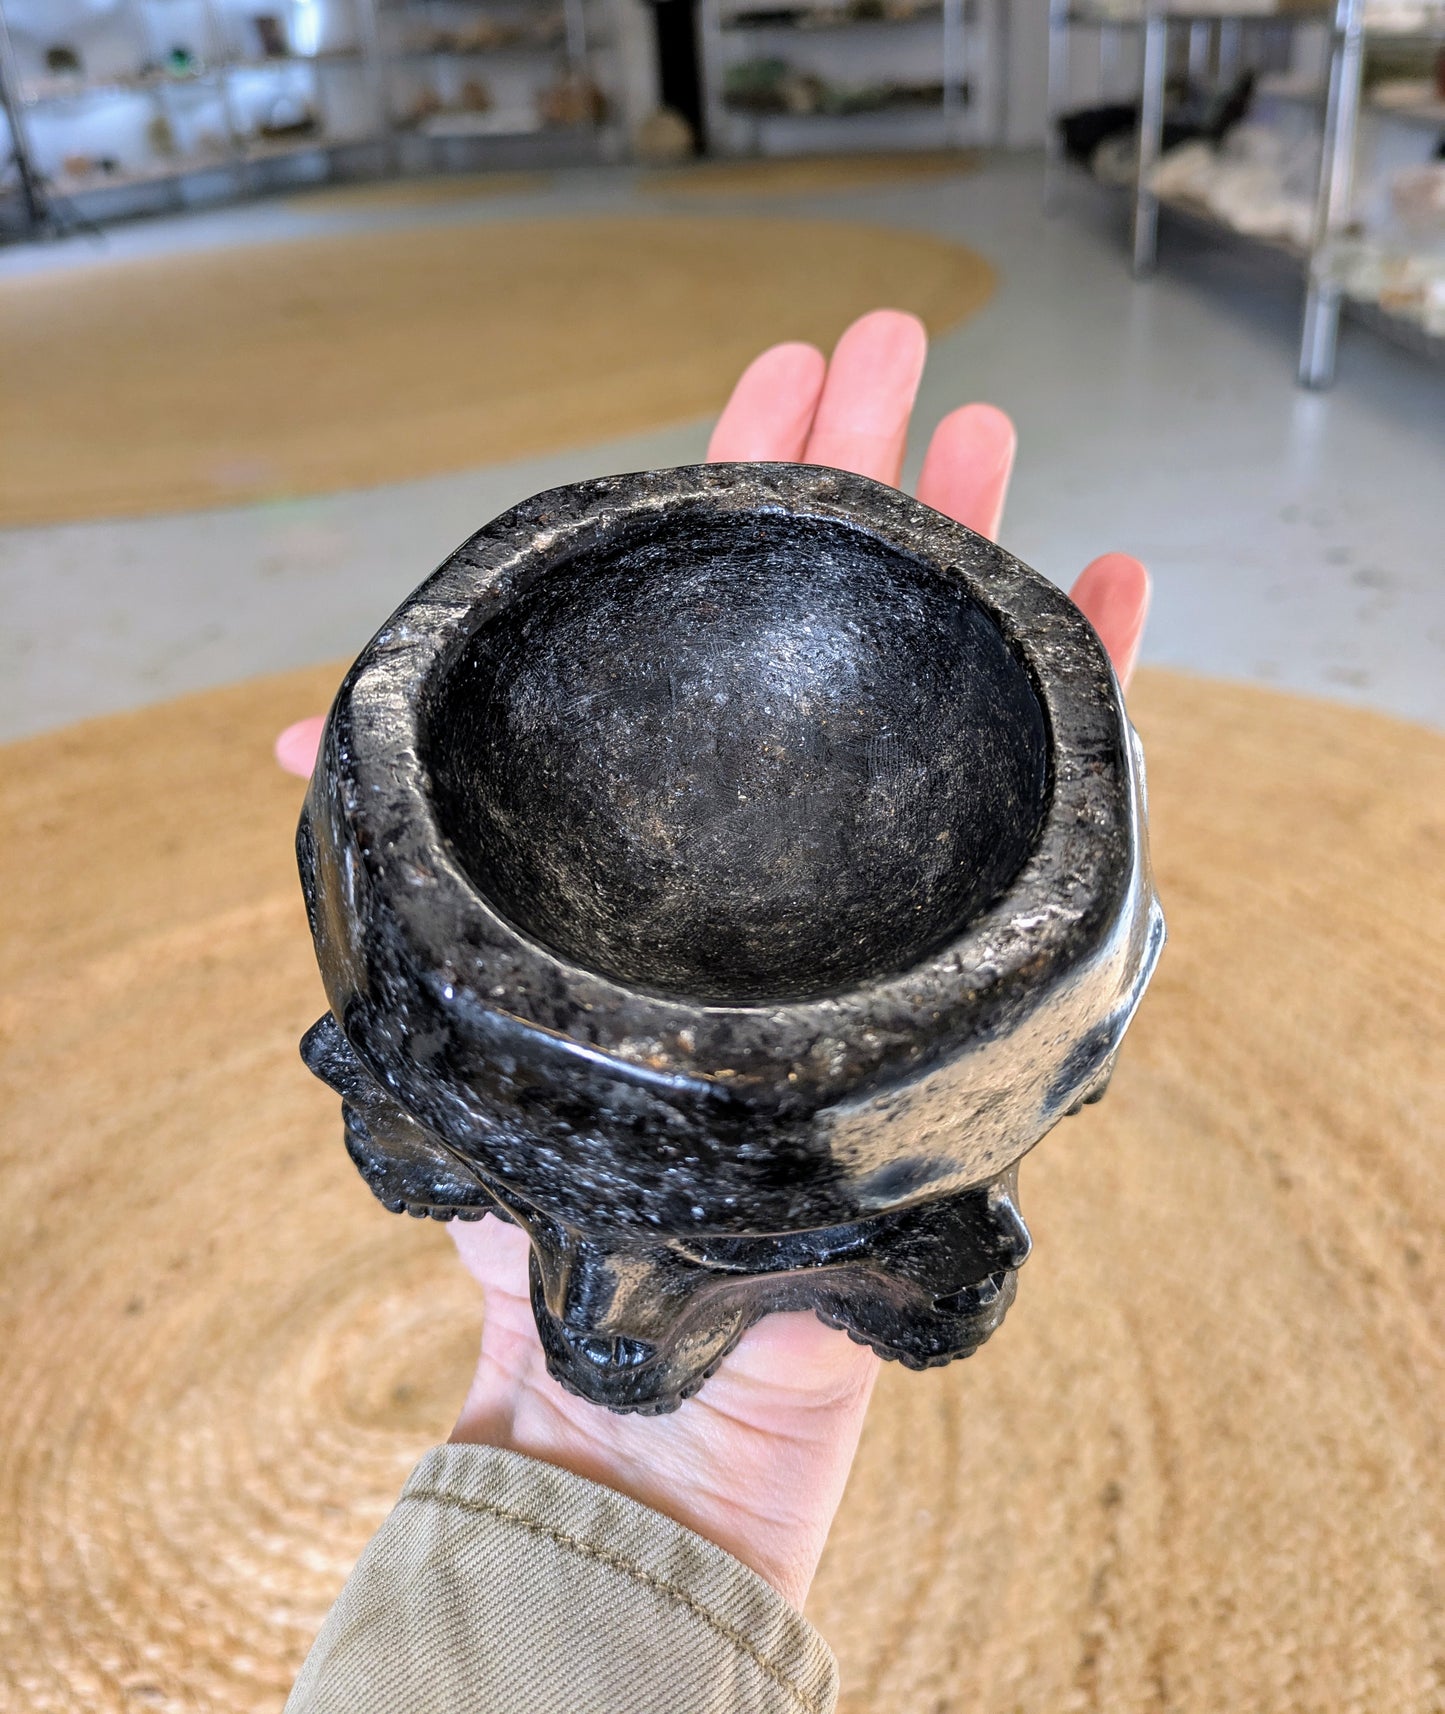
x: 678, y: 65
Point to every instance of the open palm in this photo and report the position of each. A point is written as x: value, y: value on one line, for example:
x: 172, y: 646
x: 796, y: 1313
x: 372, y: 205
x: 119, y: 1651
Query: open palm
x: 757, y: 1461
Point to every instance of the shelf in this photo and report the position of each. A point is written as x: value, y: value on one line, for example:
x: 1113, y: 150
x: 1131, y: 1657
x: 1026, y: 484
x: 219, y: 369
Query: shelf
x: 401, y: 8
x: 1131, y: 18
x: 518, y: 50
x: 1425, y: 34
x: 280, y: 148
x: 146, y: 83
x: 272, y: 62
x: 1103, y: 18
x: 1202, y: 214
x: 1312, y: 230
x: 1306, y: 94
x: 67, y: 184
x: 802, y: 21
x: 885, y: 110
x: 529, y: 36
x: 1414, y: 104
x: 1401, y: 329
x: 248, y: 152
x: 467, y: 124
x: 143, y: 83
x: 1207, y: 14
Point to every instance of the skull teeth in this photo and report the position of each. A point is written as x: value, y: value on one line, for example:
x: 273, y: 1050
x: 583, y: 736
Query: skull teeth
x: 606, y: 1353
x: 969, y: 1299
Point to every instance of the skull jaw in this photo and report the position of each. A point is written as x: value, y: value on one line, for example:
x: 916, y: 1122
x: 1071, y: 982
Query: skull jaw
x: 638, y: 1327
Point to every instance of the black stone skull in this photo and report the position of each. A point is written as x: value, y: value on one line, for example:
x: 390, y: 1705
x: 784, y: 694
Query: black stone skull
x: 727, y: 874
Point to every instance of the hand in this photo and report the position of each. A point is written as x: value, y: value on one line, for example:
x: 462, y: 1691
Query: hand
x: 757, y: 1461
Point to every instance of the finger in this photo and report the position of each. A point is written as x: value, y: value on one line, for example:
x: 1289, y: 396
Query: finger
x: 1113, y: 593
x: 771, y: 409
x: 862, y: 419
x: 495, y: 1253
x: 796, y: 1356
x: 967, y: 468
x: 296, y: 747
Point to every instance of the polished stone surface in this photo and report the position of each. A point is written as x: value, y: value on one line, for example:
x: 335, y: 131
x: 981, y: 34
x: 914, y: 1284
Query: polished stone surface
x: 728, y: 873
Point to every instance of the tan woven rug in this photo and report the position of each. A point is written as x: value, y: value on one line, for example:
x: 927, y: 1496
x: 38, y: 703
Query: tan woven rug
x: 219, y: 376
x: 804, y: 175
x: 1198, y: 1470
x: 418, y: 192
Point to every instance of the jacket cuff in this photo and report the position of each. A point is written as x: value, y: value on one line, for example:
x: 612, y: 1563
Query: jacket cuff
x: 501, y: 1583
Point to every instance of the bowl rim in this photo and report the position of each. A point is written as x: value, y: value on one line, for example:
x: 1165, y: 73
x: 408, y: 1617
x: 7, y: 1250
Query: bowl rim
x: 413, y: 904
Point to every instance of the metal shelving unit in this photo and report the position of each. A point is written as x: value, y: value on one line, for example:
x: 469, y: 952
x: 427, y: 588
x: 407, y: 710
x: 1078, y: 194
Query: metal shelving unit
x: 209, y: 107
x: 469, y: 84
x: 1219, y: 39
x: 934, y: 74
x: 242, y: 104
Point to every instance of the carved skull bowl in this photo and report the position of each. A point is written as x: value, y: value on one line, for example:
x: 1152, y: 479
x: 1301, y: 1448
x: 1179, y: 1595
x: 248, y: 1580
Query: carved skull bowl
x: 728, y: 874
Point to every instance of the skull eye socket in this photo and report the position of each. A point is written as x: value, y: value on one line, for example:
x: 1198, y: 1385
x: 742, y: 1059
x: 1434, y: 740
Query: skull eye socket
x: 968, y: 1300
x: 604, y: 1353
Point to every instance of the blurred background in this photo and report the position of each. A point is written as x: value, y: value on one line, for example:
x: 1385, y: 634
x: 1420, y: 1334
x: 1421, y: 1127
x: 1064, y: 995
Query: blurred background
x: 297, y: 293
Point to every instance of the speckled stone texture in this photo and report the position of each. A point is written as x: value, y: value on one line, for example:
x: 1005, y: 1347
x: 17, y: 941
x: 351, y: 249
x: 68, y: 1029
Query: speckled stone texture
x: 728, y: 873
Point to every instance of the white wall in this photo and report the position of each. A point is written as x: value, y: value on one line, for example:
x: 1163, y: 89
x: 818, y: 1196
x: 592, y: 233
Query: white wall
x: 635, y: 60
x: 1028, y: 71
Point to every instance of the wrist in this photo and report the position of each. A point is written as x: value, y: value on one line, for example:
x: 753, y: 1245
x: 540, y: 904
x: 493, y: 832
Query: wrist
x: 753, y: 1465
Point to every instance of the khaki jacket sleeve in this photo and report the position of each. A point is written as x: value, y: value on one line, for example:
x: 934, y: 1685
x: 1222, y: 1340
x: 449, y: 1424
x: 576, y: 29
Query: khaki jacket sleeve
x: 499, y: 1585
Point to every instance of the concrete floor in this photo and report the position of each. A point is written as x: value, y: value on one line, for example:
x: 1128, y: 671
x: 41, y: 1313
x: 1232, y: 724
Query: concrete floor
x: 1295, y: 539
